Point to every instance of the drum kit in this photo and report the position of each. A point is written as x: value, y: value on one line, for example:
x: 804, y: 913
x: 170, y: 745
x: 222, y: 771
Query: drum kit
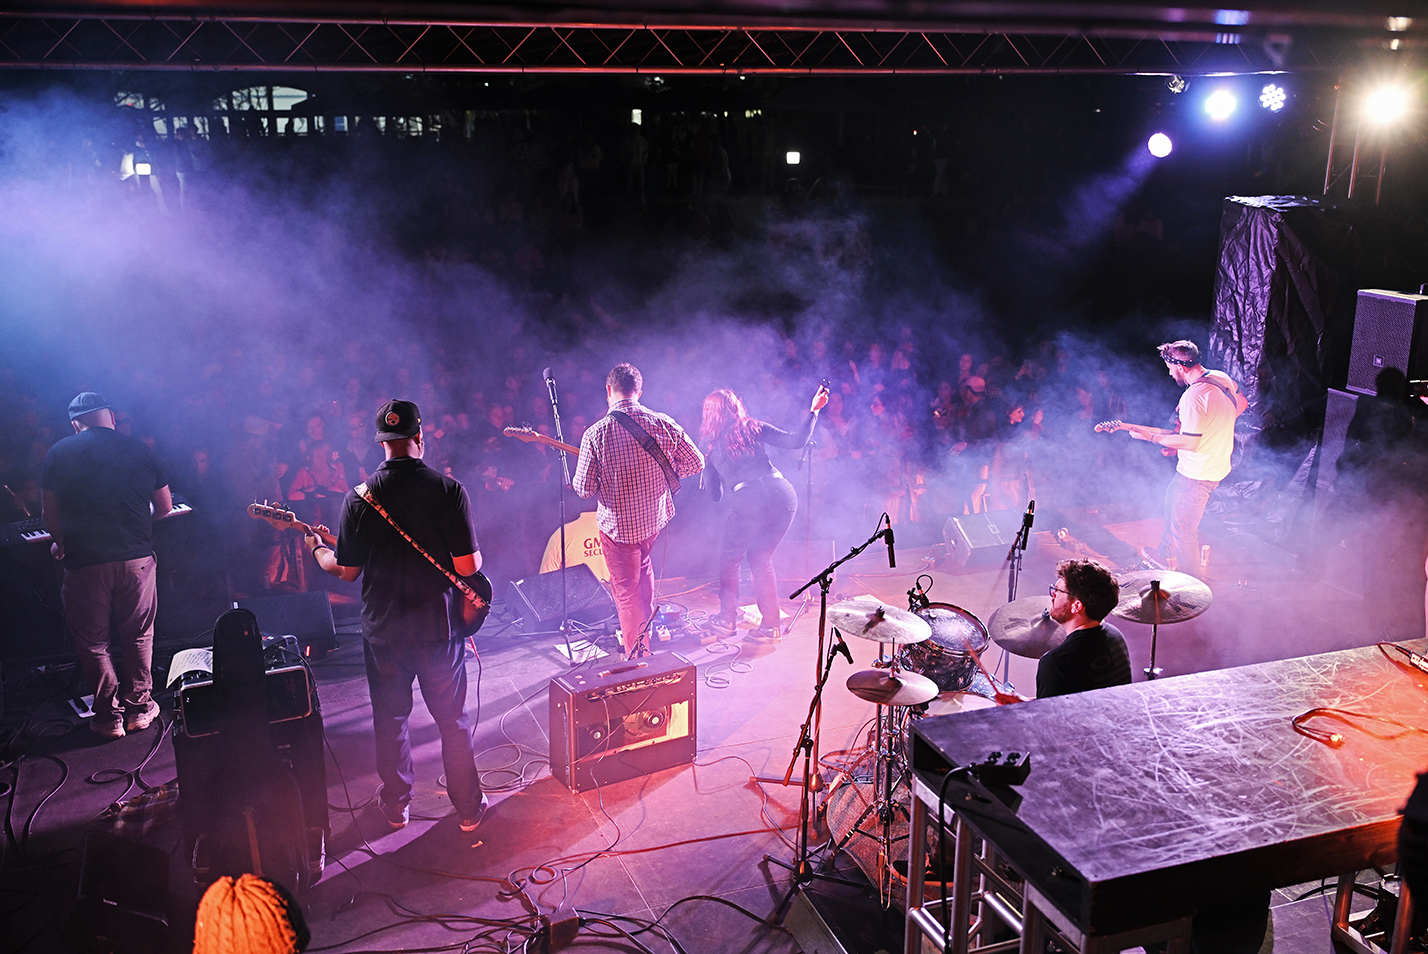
x: 936, y: 654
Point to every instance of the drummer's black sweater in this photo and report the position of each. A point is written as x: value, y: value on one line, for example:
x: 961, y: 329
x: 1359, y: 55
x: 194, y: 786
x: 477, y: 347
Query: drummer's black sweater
x: 1091, y: 658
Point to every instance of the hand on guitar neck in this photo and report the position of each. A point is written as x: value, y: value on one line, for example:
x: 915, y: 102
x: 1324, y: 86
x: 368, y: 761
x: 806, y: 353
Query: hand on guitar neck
x: 285, y: 520
x: 530, y: 434
x: 1141, y: 432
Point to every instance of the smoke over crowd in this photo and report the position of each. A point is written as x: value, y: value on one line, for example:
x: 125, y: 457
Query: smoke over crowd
x: 261, y: 308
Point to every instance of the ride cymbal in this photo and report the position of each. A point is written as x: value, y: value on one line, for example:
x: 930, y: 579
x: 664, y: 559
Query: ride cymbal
x: 1025, y: 628
x: 869, y: 619
x: 1182, y: 597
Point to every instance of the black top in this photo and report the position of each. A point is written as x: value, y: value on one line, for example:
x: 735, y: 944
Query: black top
x: 725, y: 471
x: 104, y: 482
x: 404, y: 597
x: 1091, y: 658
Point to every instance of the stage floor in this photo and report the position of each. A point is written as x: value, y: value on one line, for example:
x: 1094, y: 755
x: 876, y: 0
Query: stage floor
x: 684, y: 847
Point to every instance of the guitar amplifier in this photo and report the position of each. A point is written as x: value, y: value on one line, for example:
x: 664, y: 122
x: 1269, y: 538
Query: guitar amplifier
x: 622, y: 722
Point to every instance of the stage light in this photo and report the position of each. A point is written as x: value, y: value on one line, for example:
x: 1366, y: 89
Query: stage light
x: 1387, y: 104
x: 1177, y: 84
x: 1272, y: 97
x: 1159, y: 145
x: 792, y: 158
x: 1220, y: 105
x: 637, y: 116
x: 143, y: 169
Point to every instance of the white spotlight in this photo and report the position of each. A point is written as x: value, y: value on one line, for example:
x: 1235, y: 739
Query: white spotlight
x: 1159, y: 145
x: 792, y: 158
x: 1386, y: 104
x: 1220, y: 104
x: 1272, y: 97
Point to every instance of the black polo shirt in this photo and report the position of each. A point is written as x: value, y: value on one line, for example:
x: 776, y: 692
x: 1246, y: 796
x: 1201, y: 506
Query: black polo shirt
x: 404, y: 597
x: 104, y: 482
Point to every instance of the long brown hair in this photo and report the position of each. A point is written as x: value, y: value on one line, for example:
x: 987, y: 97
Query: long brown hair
x: 726, y: 423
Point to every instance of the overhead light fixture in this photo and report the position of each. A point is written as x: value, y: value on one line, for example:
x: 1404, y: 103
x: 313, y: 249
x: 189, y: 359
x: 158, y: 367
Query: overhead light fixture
x: 792, y: 158
x: 1177, y: 84
x: 1159, y: 145
x: 1386, y: 104
x: 1220, y: 105
x: 1272, y: 97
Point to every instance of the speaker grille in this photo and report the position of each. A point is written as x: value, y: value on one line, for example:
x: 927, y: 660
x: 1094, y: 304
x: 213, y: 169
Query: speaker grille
x: 538, y: 597
x: 1388, y: 329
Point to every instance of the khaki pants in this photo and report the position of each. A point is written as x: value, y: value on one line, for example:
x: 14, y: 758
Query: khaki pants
x: 119, y: 600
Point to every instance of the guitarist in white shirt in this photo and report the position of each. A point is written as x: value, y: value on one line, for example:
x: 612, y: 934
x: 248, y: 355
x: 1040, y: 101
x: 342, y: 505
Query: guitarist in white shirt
x: 1202, y: 442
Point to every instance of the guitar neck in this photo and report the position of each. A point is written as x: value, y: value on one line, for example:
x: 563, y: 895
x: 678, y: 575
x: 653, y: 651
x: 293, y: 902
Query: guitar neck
x: 535, y: 437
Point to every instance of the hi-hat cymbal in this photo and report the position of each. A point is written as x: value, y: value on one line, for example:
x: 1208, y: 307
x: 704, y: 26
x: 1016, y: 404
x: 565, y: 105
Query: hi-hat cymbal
x: 1182, y: 597
x: 1024, y: 627
x: 869, y: 619
x: 903, y: 689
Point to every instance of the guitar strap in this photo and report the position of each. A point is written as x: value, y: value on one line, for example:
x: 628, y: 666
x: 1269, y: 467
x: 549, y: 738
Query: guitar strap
x: 651, y: 446
x: 471, y: 595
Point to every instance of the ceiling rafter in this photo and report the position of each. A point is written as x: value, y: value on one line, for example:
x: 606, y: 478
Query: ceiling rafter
x: 37, y: 41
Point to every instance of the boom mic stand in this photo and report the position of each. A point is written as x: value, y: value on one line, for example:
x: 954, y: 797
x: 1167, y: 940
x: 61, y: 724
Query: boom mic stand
x: 807, y: 744
x: 1013, y: 560
x: 564, y: 628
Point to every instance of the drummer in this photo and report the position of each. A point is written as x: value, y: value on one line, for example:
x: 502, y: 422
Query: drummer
x: 1093, y: 655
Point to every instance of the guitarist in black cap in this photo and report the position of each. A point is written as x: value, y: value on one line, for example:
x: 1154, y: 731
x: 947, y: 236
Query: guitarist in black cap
x: 408, y: 528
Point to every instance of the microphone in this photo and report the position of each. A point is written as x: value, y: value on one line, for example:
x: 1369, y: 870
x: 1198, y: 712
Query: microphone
x: 1030, y: 515
x: 888, y: 536
x: 549, y: 384
x: 842, y: 647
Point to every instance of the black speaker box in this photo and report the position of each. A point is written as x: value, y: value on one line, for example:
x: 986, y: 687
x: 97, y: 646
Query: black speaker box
x: 308, y: 616
x: 983, y: 539
x: 537, y: 598
x: 1388, y: 336
x: 123, y: 897
x: 628, y: 720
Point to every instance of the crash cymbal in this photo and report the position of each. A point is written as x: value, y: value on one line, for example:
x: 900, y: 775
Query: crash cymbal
x: 1182, y: 597
x: 869, y: 619
x: 1024, y: 627
x: 903, y: 689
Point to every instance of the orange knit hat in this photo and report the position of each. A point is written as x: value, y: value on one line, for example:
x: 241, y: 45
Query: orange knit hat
x: 248, y: 915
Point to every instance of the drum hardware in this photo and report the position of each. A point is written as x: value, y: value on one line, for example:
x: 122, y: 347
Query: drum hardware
x: 1161, y: 596
x: 1025, y: 627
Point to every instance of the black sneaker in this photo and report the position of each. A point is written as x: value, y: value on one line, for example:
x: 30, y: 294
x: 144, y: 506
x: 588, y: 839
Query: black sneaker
x: 764, y: 634
x: 469, y: 824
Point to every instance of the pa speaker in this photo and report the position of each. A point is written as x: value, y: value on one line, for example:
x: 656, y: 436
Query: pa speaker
x: 1388, y: 341
x: 983, y: 539
x: 538, y: 598
x: 123, y: 898
x: 308, y: 616
x: 629, y: 720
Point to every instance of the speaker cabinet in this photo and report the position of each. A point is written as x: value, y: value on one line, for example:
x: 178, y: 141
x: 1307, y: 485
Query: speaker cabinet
x: 628, y: 720
x: 537, y: 598
x: 983, y: 539
x: 308, y: 616
x: 1388, y: 336
x: 121, y: 907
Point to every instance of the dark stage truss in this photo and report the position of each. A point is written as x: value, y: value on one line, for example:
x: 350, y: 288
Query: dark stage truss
x: 37, y: 40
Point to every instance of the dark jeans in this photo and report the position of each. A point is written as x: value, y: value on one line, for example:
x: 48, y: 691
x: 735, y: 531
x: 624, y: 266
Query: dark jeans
x: 440, y: 669
x: 1185, y: 501
x: 761, y: 514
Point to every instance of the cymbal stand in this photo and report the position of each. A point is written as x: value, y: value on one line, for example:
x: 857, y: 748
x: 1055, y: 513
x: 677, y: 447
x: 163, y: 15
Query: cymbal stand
x: 1153, y: 670
x: 808, y: 737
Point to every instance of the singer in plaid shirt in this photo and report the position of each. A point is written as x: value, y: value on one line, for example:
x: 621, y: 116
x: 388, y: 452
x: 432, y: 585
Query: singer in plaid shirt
x: 633, y: 496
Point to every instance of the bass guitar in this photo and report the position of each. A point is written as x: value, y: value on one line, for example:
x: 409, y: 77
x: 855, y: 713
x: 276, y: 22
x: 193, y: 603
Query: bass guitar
x: 531, y: 435
x: 466, y: 615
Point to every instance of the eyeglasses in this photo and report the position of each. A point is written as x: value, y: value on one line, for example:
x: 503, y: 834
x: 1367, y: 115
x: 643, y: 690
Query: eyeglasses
x: 1054, y: 589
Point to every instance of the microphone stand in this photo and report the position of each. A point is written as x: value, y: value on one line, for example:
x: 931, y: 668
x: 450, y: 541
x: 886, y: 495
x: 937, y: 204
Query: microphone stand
x: 1014, y: 555
x: 805, y: 460
x: 564, y: 628
x: 807, y: 744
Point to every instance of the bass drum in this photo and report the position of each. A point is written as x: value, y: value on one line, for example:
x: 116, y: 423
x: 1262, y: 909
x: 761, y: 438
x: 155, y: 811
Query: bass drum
x: 944, y: 657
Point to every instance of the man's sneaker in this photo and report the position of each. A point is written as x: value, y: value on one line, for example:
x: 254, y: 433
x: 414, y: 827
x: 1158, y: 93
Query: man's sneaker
x: 112, y: 728
x: 469, y: 824
x: 141, y: 721
x: 721, y: 625
x: 1150, y: 559
x: 396, y: 815
x: 766, y: 634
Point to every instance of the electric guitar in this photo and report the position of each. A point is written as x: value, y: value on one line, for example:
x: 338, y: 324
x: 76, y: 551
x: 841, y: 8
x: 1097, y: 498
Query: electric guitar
x: 1110, y: 427
x: 530, y: 435
x: 465, y: 621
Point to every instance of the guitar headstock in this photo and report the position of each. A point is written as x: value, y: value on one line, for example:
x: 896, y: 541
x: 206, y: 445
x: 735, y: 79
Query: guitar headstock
x: 526, y: 434
x: 282, y: 519
x: 1106, y: 427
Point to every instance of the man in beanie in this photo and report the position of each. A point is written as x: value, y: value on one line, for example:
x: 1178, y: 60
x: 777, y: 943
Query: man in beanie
x: 405, y: 625
x: 102, y: 493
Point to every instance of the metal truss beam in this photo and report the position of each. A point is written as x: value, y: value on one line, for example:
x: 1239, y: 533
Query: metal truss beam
x: 129, y: 42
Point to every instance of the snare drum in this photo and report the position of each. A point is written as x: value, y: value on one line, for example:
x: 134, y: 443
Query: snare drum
x: 943, y: 657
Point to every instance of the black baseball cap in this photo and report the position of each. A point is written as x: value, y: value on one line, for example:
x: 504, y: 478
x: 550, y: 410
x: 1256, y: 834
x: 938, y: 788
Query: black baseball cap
x: 84, y: 402
x: 397, y: 420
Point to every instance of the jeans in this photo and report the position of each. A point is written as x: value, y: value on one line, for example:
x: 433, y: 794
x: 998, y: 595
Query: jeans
x: 761, y: 514
x: 122, y: 596
x: 1185, y: 501
x: 440, y: 669
x: 632, y: 579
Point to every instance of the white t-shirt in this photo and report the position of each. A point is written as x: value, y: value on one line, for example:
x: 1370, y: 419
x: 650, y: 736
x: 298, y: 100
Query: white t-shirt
x: 1206, y: 410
